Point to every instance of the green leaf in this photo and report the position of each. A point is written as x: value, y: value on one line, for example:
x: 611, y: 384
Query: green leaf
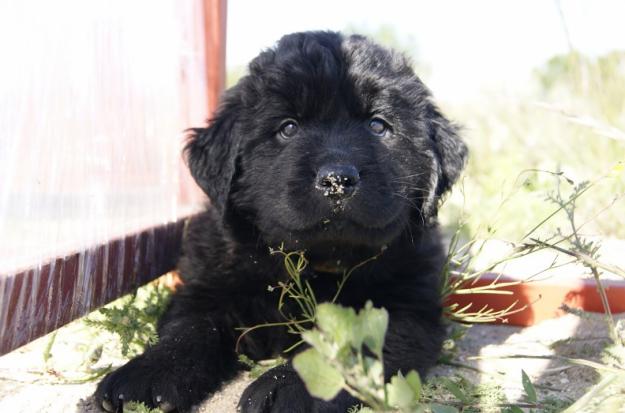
x: 337, y: 322
x: 440, y: 408
x: 374, y: 370
x: 605, y: 396
x: 414, y: 381
x: 513, y: 409
x: 400, y: 393
x: 371, y: 327
x: 530, y: 391
x: 321, y: 379
x: 316, y: 340
x: 454, y: 389
x: 137, y: 407
x: 360, y: 409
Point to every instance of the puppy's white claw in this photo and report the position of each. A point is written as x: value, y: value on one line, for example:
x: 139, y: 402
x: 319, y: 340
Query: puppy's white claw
x: 107, y: 405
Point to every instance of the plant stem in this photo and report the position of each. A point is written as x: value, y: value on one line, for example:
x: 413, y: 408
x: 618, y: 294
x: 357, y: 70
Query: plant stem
x: 349, y: 273
x: 560, y: 208
x: 606, y: 306
x: 584, y: 258
x: 593, y: 264
x: 277, y: 324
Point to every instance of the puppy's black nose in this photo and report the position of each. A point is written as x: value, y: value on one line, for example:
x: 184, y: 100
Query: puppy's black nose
x: 337, y: 181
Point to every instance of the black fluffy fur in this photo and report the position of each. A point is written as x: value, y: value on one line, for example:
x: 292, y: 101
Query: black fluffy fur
x: 262, y: 188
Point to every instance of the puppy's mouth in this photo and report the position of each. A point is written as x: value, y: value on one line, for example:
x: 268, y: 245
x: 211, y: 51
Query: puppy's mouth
x: 340, y: 220
x: 338, y: 228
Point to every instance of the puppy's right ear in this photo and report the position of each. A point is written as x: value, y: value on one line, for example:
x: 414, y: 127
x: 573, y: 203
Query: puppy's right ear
x: 211, y: 154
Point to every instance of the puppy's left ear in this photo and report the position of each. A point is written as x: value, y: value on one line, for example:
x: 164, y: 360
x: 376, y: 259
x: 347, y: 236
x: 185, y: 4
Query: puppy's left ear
x: 211, y: 154
x: 450, y: 148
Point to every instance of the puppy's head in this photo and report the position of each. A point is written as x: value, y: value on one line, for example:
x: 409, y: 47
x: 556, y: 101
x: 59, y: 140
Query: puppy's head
x: 328, y: 139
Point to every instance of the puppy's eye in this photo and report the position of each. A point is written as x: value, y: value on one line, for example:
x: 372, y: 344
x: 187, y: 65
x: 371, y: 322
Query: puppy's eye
x: 378, y: 127
x: 289, y: 129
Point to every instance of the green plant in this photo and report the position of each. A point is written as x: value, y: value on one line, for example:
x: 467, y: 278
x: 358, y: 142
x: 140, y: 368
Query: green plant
x: 346, y: 354
x: 573, y: 244
x: 528, y: 386
x: 337, y: 358
x: 298, y: 291
x: 133, y: 318
x: 460, y: 273
x: 257, y: 368
x: 47, y: 351
x: 605, y: 396
x: 346, y: 347
x: 136, y: 407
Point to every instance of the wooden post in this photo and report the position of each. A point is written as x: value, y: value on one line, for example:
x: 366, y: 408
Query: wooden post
x: 215, y: 12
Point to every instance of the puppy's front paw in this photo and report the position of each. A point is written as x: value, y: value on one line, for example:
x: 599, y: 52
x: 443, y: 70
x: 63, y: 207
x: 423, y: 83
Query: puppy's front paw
x: 281, y: 390
x: 278, y: 390
x: 154, y: 382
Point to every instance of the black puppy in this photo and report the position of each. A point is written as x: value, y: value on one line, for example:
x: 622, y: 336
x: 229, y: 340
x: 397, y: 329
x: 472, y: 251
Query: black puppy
x: 330, y: 145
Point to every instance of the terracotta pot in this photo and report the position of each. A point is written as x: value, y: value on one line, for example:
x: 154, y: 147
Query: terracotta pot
x: 543, y: 299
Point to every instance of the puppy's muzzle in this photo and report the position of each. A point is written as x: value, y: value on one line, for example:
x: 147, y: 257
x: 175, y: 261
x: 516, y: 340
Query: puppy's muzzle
x: 337, y: 182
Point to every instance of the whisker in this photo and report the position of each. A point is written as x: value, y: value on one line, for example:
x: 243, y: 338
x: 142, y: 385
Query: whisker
x: 411, y: 176
x: 411, y: 201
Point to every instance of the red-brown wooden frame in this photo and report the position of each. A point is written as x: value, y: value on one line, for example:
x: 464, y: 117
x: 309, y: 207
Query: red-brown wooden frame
x: 38, y: 300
